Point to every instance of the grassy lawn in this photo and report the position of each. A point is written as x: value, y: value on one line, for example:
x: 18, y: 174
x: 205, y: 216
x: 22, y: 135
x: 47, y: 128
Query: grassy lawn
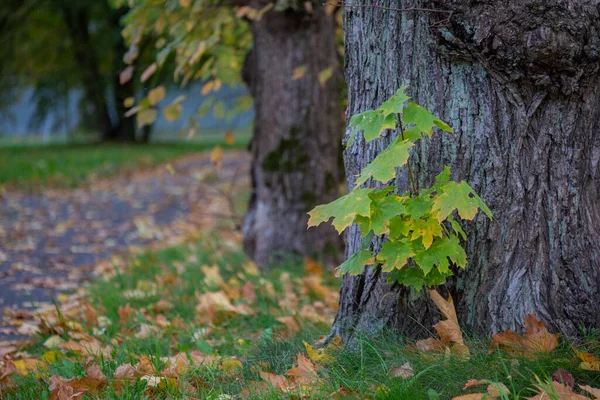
x: 199, y: 321
x: 63, y: 165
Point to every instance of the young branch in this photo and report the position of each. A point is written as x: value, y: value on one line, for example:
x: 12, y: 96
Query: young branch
x: 414, y: 187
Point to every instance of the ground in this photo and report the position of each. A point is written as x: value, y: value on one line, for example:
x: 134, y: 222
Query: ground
x: 52, y: 240
x: 174, y: 309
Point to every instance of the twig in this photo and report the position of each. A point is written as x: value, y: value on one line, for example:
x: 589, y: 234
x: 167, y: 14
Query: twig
x: 415, y: 188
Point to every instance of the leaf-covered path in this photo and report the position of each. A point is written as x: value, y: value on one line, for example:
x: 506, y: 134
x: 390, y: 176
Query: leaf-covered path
x: 52, y: 241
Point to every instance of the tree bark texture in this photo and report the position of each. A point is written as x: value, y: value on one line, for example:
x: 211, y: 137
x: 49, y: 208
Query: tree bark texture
x: 519, y: 82
x: 296, y: 143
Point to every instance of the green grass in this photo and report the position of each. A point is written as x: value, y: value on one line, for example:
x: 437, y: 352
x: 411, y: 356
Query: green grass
x: 64, y: 165
x: 177, y: 276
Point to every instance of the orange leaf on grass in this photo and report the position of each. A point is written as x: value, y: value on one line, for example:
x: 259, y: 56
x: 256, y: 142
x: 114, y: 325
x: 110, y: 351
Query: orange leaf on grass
x: 537, y: 339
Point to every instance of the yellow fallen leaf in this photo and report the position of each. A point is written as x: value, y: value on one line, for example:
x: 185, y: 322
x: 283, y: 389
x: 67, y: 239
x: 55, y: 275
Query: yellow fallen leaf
x: 216, y: 156
x: 52, y: 356
x: 231, y: 366
x: 589, y: 362
x: 53, y: 341
x: 27, y: 365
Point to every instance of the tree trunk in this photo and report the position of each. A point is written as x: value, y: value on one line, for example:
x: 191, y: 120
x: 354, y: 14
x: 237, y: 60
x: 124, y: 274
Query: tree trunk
x: 124, y: 129
x: 519, y: 83
x: 297, y: 134
x: 77, y: 21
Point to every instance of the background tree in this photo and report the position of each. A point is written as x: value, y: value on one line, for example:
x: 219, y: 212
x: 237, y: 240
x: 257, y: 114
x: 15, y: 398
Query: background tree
x: 57, y: 46
x: 519, y: 82
x: 292, y: 72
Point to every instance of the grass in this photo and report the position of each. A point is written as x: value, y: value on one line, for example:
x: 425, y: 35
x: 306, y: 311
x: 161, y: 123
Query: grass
x: 167, y: 294
x: 70, y: 165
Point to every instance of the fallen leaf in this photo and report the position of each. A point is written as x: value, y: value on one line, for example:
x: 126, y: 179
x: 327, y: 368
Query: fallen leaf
x: 230, y: 138
x: 537, y: 339
x: 404, y: 371
x: 472, y: 396
x: 274, y: 380
x: 27, y: 365
x: 216, y: 155
x: 151, y: 381
x: 556, y: 391
x: 125, y: 372
x: 231, y: 366
x: 593, y: 391
x: 291, y: 325
x: 305, y: 373
x: 564, y: 377
x: 312, y: 267
x: 589, y: 362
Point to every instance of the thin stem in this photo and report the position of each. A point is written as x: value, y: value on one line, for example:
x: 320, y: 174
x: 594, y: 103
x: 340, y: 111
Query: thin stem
x: 414, y: 187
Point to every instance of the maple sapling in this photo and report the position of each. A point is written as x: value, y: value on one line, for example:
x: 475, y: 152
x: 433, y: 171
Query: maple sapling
x: 422, y: 236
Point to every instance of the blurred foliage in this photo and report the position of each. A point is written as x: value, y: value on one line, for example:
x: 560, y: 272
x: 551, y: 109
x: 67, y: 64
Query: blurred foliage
x: 202, y: 40
x: 57, y: 46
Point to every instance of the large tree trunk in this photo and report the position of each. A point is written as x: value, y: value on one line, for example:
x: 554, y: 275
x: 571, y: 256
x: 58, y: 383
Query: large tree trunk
x: 297, y: 134
x: 519, y: 82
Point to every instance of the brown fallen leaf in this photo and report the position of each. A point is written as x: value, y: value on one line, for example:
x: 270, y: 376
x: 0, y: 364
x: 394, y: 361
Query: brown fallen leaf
x: 451, y: 338
x: 91, y: 347
x: 473, y: 396
x: 125, y: 372
x: 537, y: 339
x: 312, y: 267
x: 593, y: 391
x: 556, y: 391
x: 277, y: 381
x: 62, y: 388
x: 305, y: 373
x: 404, y: 371
x: 564, y: 377
x: 145, y: 367
x: 291, y: 325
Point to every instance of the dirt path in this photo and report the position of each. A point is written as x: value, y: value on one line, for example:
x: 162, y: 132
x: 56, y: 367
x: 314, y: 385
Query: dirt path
x: 51, y: 242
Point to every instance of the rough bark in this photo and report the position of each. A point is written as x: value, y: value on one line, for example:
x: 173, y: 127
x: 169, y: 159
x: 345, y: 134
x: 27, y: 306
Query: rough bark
x: 296, y: 142
x: 519, y: 82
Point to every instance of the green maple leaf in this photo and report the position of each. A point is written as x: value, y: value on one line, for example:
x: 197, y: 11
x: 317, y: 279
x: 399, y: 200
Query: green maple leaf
x: 412, y: 133
x: 423, y: 119
x: 426, y: 229
x: 461, y: 197
x: 456, y: 226
x: 383, y: 167
x: 395, y: 255
x: 417, y: 207
x: 372, y: 123
x: 414, y: 277
x: 383, y: 208
x: 395, y: 104
x: 355, y: 264
x: 399, y: 226
x: 343, y: 210
x: 441, y: 251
